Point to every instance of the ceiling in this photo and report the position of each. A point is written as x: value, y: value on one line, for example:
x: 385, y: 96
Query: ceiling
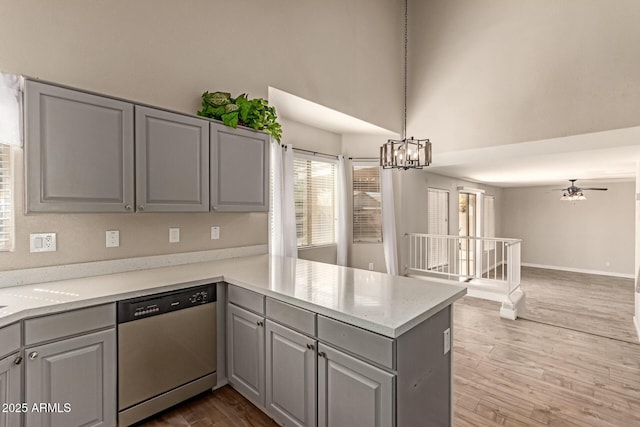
x: 601, y: 156
x: 311, y: 114
x: 594, y: 157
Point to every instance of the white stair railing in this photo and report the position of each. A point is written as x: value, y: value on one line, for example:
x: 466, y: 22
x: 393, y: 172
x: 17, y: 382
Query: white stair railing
x: 489, y: 266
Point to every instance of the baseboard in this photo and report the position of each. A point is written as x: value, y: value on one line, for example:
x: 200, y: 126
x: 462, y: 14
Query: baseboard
x: 579, y: 270
x: 636, y: 322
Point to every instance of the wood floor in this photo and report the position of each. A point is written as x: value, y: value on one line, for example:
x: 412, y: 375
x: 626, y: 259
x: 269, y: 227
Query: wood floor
x: 600, y: 305
x: 506, y: 373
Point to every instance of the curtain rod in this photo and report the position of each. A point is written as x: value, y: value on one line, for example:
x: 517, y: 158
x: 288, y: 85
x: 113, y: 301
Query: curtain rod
x: 315, y: 153
x: 364, y: 158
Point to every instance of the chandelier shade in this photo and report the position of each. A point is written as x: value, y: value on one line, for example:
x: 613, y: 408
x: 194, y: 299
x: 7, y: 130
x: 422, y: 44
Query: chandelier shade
x: 405, y: 154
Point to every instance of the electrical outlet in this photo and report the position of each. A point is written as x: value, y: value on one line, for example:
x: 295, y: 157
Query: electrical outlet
x: 113, y: 238
x: 42, y: 242
x: 174, y: 235
x: 447, y: 340
x: 215, y: 232
x: 371, y: 266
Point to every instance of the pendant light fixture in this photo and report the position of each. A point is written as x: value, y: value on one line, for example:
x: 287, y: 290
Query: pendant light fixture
x: 408, y: 153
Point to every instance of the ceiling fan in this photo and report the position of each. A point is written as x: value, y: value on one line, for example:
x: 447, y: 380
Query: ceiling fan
x: 573, y: 192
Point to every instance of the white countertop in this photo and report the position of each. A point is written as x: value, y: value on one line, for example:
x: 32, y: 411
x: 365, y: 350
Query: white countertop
x: 388, y: 305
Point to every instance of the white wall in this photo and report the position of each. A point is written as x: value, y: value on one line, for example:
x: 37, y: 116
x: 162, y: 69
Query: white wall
x: 578, y: 235
x: 345, y: 55
x: 494, y: 72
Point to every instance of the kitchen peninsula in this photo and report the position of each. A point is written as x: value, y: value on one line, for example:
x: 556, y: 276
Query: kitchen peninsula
x: 308, y: 343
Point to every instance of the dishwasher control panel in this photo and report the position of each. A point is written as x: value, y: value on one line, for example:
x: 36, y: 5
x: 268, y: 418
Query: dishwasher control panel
x: 156, y: 304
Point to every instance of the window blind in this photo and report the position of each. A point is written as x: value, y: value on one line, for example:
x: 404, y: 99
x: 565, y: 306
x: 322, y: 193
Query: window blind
x: 315, y: 189
x: 367, y: 205
x: 489, y: 219
x: 5, y: 198
x: 437, y: 223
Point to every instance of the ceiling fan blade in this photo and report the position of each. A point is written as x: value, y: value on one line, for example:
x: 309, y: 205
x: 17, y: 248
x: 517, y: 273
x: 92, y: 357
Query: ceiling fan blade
x: 559, y: 189
x: 598, y: 189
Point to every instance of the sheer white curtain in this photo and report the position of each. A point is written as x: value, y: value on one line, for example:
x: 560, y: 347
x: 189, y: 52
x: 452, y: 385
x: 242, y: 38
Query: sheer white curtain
x: 388, y: 221
x: 10, y: 109
x: 282, y: 239
x: 343, y: 212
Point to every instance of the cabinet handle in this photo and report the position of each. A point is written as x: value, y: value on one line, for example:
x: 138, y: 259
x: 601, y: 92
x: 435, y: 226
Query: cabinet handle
x: 322, y: 354
x: 127, y: 207
x: 33, y: 355
x: 140, y: 207
x: 259, y: 323
x: 310, y: 346
x: 17, y: 360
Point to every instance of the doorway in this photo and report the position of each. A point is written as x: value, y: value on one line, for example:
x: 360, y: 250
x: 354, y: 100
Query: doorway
x: 467, y: 227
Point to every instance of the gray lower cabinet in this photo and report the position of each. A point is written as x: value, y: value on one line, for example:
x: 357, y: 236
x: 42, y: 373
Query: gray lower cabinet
x: 239, y: 170
x: 353, y: 393
x: 290, y: 376
x: 75, y: 375
x: 245, y: 353
x: 10, y: 391
x: 79, y: 151
x: 172, y: 162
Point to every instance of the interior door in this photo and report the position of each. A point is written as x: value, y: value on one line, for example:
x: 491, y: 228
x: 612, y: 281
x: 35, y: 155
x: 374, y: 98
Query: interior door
x: 467, y: 223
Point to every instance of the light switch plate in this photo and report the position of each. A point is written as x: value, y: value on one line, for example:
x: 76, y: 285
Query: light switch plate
x: 174, y: 235
x: 215, y: 232
x: 113, y: 238
x: 42, y: 242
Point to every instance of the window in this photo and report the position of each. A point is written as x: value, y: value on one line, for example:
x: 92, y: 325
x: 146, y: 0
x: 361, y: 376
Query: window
x: 437, y: 223
x: 5, y: 198
x: 367, y: 206
x: 315, y: 189
x: 489, y: 218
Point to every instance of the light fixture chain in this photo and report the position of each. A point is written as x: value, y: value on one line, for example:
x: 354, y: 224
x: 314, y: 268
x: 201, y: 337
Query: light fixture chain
x: 406, y: 53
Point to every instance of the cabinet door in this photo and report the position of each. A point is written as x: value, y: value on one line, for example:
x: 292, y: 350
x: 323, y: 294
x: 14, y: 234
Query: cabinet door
x: 352, y: 393
x: 10, y: 391
x: 172, y: 162
x: 79, y: 151
x: 77, y: 372
x: 290, y: 376
x: 245, y: 353
x: 239, y: 170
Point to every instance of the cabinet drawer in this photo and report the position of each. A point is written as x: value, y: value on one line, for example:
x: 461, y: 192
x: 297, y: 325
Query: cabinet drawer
x: 246, y: 299
x: 9, y: 339
x: 294, y: 317
x: 368, y: 345
x: 69, y: 323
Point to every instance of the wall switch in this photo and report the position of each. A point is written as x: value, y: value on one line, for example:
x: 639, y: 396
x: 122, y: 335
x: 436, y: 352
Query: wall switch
x: 447, y: 340
x: 174, y: 235
x: 215, y: 232
x: 371, y: 266
x: 113, y: 238
x: 42, y: 242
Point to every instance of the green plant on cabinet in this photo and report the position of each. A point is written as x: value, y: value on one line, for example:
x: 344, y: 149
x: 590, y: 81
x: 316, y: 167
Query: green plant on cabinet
x: 255, y: 113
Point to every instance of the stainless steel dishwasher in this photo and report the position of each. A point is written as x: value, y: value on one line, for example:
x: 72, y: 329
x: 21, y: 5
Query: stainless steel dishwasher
x: 166, y: 350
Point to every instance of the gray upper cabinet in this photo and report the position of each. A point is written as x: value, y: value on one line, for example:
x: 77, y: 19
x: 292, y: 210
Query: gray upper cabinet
x: 239, y: 170
x: 79, y: 151
x: 172, y: 162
